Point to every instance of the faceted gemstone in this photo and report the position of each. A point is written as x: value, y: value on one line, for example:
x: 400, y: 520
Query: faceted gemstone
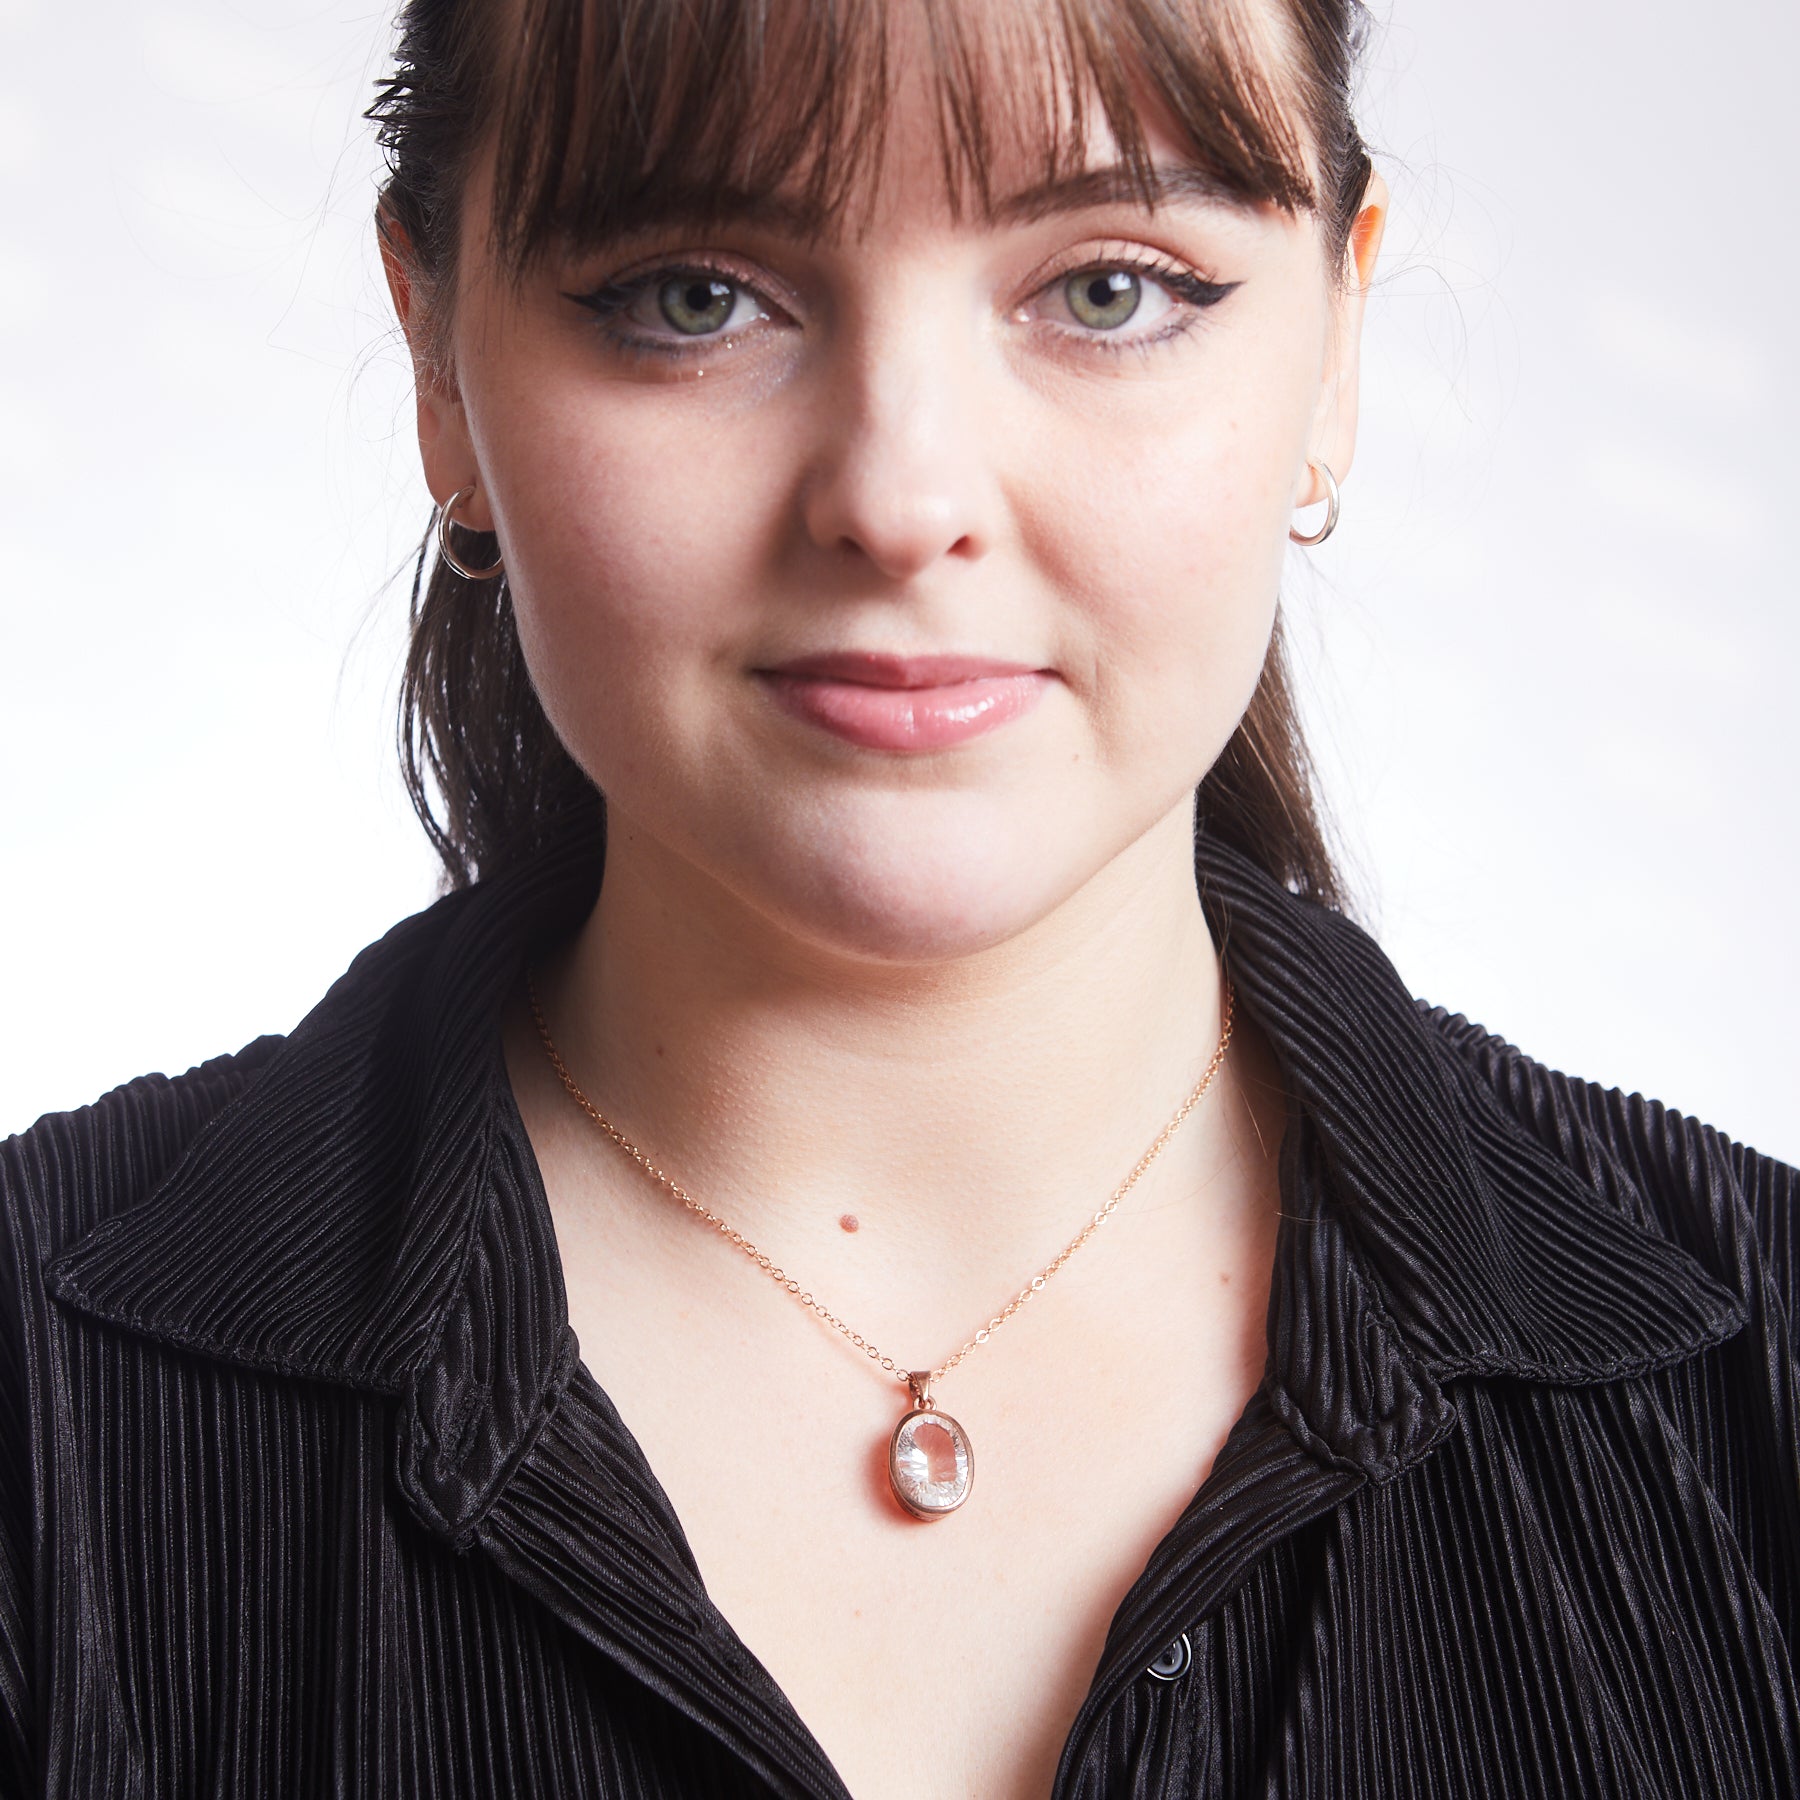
x: 930, y: 1463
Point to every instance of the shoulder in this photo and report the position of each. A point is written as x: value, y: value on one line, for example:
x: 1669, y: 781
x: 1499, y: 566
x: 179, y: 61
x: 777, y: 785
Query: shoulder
x: 164, y: 1207
x: 73, y: 1169
x: 1671, y: 1173
x: 67, y: 1173
x: 73, y: 1172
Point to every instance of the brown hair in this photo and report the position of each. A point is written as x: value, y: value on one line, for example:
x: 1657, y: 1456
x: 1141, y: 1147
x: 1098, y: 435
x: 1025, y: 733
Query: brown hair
x: 606, y: 114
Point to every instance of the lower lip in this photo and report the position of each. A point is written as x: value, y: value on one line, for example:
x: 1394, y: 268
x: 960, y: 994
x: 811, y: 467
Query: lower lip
x: 926, y: 718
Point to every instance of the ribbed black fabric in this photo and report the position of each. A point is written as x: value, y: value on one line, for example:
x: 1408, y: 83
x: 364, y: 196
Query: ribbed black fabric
x: 304, y: 1489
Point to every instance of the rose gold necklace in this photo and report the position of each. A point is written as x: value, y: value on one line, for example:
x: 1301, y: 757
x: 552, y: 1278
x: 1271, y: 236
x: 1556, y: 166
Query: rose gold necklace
x: 931, y: 1462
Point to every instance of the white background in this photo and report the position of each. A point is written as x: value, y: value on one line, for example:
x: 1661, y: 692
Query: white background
x: 1550, y: 651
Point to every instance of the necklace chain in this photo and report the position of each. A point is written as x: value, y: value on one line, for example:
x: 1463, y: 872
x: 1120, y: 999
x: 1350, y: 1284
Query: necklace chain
x: 776, y: 1273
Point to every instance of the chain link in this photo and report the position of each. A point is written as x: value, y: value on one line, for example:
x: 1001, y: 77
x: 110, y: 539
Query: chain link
x: 776, y: 1273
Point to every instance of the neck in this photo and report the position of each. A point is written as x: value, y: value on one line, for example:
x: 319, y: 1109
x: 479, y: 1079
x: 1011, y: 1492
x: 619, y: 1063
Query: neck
x: 979, y: 1108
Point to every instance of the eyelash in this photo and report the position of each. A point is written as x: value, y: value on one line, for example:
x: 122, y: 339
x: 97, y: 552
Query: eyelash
x: 1198, y: 293
x: 611, y: 299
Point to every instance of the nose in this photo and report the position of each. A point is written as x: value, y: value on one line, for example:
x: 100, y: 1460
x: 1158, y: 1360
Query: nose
x: 900, y: 478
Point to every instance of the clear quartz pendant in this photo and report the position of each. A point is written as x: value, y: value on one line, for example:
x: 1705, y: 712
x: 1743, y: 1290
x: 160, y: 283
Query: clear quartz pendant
x: 931, y: 1463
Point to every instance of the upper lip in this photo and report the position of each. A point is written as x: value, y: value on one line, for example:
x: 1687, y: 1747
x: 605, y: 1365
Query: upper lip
x: 877, y: 668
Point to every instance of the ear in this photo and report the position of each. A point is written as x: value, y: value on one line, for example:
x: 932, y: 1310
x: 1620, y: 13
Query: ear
x: 445, y: 448
x: 1333, y: 437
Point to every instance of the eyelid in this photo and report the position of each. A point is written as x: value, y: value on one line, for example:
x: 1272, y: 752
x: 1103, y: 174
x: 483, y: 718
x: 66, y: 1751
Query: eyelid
x: 1174, y: 272
x: 612, y: 298
x: 609, y: 298
x: 1109, y: 253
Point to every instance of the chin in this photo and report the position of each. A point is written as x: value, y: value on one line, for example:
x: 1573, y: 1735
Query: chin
x: 910, y: 896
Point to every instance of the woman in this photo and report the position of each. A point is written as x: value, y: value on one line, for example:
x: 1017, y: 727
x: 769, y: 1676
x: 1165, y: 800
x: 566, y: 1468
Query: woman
x: 866, y: 443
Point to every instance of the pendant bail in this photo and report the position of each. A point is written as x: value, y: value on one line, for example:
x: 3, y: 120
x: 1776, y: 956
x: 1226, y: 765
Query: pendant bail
x: 919, y: 1380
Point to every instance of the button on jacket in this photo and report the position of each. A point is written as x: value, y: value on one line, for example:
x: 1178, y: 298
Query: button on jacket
x: 304, y: 1489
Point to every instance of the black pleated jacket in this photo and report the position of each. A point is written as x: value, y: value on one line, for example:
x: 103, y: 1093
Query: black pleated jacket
x: 304, y: 1490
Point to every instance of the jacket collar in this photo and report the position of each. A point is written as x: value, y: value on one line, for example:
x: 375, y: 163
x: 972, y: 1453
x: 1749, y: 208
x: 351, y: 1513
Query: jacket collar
x: 345, y: 1219
x: 368, y: 1212
x: 1427, y: 1234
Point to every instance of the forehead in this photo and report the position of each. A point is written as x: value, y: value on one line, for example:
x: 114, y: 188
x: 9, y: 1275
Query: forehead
x: 611, y: 118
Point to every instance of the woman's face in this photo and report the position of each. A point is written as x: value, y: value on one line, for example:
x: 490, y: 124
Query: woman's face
x: 751, y: 492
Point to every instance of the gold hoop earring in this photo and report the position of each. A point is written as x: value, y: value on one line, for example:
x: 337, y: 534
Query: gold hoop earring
x: 1331, y: 509
x: 448, y: 555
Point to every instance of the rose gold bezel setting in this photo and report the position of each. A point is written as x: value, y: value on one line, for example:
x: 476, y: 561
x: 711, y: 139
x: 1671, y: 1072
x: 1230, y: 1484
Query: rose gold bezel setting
x: 916, y: 1508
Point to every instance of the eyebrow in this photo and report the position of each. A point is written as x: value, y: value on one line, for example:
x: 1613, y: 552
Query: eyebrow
x: 1117, y: 185
x: 705, y: 209
x: 698, y: 209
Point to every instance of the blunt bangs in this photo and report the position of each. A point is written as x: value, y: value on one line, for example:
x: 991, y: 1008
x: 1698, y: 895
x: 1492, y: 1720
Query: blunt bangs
x: 615, y: 116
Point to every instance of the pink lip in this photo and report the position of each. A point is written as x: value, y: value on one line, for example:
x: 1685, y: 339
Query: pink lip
x: 884, y: 702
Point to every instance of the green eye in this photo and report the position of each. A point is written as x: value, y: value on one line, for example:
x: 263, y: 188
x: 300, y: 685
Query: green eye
x: 696, y: 304
x: 1103, y: 299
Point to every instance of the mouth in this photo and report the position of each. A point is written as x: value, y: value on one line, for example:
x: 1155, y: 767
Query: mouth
x: 906, y: 703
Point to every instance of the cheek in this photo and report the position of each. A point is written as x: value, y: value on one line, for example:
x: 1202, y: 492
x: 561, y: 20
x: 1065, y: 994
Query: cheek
x: 1166, y: 535
x: 626, y: 556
